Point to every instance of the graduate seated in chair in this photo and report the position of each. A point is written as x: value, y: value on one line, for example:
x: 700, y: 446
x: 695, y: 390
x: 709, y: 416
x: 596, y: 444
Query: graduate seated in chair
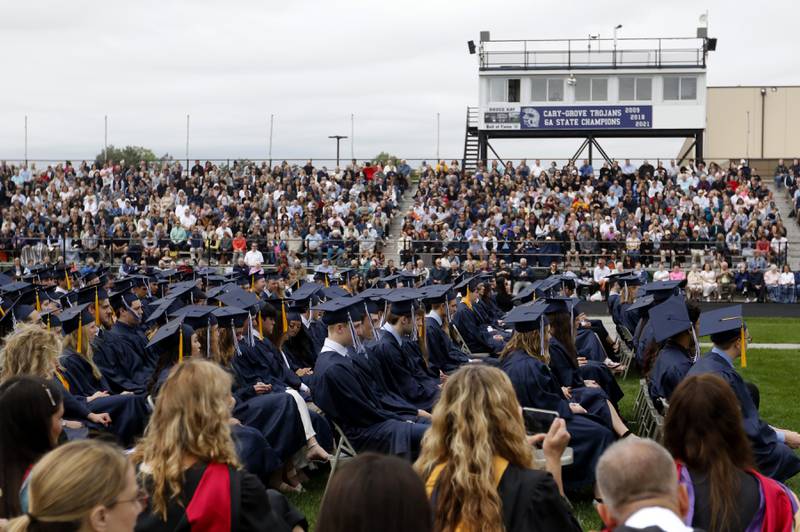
x: 471, y: 324
x: 443, y: 354
x: 676, y: 348
x: 346, y: 396
x: 525, y: 360
x: 403, y: 363
x: 772, y: 447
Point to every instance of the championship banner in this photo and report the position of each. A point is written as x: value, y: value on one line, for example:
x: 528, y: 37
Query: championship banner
x: 569, y: 117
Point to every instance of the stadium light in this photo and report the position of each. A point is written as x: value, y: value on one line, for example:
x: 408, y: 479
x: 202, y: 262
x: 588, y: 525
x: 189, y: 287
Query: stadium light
x: 338, y: 140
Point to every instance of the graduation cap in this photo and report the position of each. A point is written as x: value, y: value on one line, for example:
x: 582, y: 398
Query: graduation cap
x: 642, y: 302
x: 389, y: 280
x: 530, y: 292
x: 305, y: 292
x: 661, y: 290
x: 323, y: 277
x: 724, y: 325
x: 527, y: 318
x: 230, y: 316
x: 672, y: 318
x: 93, y: 294
x: 374, y: 293
x: 409, y: 278
x: 75, y: 318
x: 17, y: 288
x: 558, y: 304
x: 187, y: 290
x: 340, y: 310
x: 198, y: 317
x: 12, y: 312
x: 217, y: 290
x: 174, y: 334
x: 546, y: 286
x: 51, y: 319
x: 437, y: 294
x: 122, y: 299
x: 333, y: 292
x: 161, y: 309
x: 238, y: 297
x: 5, y: 279
x: 402, y: 301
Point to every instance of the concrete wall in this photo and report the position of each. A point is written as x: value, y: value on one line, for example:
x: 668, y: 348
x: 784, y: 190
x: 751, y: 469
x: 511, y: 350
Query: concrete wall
x: 734, y: 121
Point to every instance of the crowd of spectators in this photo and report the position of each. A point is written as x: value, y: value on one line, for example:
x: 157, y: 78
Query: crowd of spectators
x: 210, y: 212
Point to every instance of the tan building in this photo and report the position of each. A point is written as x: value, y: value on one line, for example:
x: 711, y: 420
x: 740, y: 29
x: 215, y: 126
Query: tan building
x: 760, y: 122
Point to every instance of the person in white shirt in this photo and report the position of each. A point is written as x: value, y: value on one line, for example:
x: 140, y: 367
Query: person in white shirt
x: 662, y: 274
x: 253, y: 258
x: 601, y: 271
x: 637, y: 484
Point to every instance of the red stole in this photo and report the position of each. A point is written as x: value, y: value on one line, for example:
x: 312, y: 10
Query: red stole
x: 210, y: 507
x: 778, y: 515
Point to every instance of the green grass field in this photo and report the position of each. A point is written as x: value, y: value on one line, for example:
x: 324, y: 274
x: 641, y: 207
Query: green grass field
x: 774, y: 330
x: 771, y: 370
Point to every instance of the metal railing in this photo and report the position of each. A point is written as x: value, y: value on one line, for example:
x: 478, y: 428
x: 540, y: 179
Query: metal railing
x: 533, y: 54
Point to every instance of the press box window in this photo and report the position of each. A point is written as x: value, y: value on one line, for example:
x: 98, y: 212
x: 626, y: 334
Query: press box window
x: 591, y: 89
x: 547, y: 90
x: 503, y: 90
x: 680, y: 88
x: 638, y: 89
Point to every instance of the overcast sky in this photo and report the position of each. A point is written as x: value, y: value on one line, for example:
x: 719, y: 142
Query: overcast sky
x: 394, y: 65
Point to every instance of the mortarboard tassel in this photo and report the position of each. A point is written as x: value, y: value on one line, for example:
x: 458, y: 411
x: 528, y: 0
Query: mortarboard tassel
x: 2, y: 312
x: 327, y: 283
x: 180, y: 344
x: 66, y: 278
x: 744, y: 348
x: 208, y: 339
x: 371, y: 323
x: 252, y: 283
x: 541, y: 338
x: 235, y: 340
x: 80, y: 333
x: 284, y: 318
x: 415, y: 329
x: 260, y: 325
x: 64, y: 382
x: 96, y: 307
x: 467, y: 300
x: 38, y: 303
x: 48, y: 322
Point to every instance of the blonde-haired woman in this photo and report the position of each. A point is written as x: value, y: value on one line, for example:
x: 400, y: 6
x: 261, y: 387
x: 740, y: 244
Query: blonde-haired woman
x: 83, y: 379
x: 477, y: 463
x: 85, y: 485
x: 527, y: 365
x: 33, y: 350
x: 188, y: 459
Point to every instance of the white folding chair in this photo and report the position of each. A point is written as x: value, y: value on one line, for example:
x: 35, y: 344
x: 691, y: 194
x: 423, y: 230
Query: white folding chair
x: 344, y: 451
x: 464, y: 346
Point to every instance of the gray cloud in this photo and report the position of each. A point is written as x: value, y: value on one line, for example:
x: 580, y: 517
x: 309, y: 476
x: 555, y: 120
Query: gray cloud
x: 147, y: 64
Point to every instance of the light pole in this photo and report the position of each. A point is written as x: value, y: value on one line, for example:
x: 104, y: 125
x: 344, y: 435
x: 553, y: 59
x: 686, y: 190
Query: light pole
x: 616, y: 28
x: 338, y: 140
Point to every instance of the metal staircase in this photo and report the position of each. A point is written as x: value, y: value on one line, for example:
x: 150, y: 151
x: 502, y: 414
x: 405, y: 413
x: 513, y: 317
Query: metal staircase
x: 471, y: 142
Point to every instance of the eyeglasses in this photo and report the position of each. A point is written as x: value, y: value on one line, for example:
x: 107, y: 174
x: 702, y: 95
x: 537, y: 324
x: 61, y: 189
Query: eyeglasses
x: 141, y: 497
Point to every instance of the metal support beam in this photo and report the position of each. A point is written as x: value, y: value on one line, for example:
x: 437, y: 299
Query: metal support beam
x: 602, y: 151
x: 698, y: 150
x: 579, y: 152
x: 591, y: 145
x: 495, y: 154
x: 686, y: 153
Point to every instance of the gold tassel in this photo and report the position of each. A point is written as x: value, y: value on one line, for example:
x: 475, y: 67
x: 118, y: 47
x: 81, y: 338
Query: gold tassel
x: 96, y: 307
x: 467, y: 299
x: 744, y: 348
x: 80, y: 334
x: 327, y: 283
x: 38, y: 303
x: 284, y: 319
x: 63, y: 381
x: 180, y: 345
x: 252, y: 282
x: 66, y: 277
x: 260, y: 325
x: 2, y: 312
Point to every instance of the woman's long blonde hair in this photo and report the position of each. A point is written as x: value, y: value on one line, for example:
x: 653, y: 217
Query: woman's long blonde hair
x: 68, y: 482
x: 71, y: 341
x: 203, y: 334
x: 530, y: 343
x: 30, y: 350
x: 190, y: 421
x: 477, y: 418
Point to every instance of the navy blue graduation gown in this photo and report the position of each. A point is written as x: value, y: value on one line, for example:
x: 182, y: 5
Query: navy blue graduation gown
x: 124, y: 359
x: 318, y: 332
x: 536, y: 388
x: 372, y: 372
x: 443, y: 355
x: 588, y: 345
x: 401, y: 372
x: 642, y: 338
x: 474, y: 332
x: 344, y: 395
x: 274, y: 415
x: 628, y: 318
x: 567, y: 375
x: 255, y: 454
x: 773, y: 458
x: 613, y: 307
x: 259, y: 363
x: 672, y: 364
x: 129, y: 413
